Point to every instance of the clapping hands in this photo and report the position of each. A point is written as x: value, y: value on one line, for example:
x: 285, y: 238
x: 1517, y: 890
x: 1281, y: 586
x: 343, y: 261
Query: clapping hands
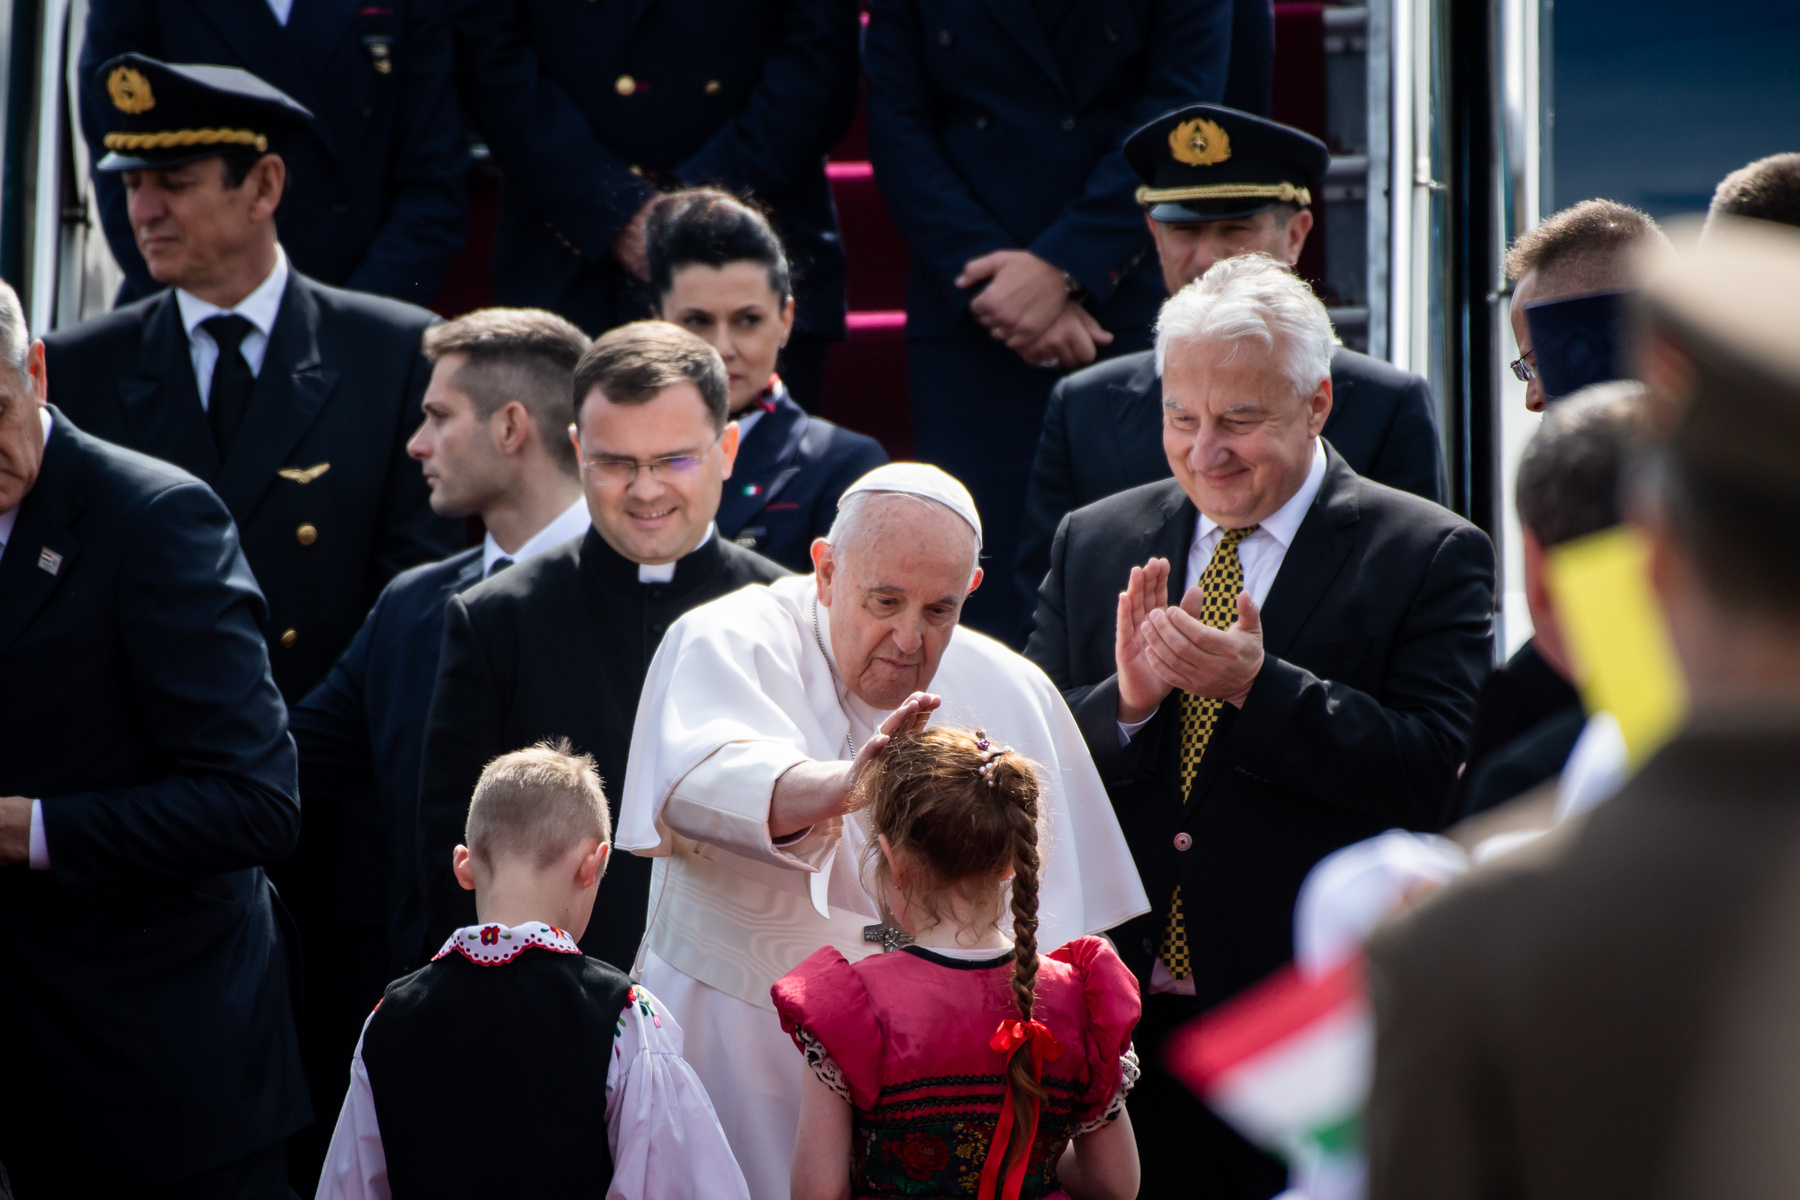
x: 1159, y: 648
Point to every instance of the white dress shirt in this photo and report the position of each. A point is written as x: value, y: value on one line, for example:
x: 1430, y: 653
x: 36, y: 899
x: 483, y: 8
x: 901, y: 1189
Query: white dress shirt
x: 281, y: 9
x: 260, y: 308
x: 38, y: 852
x: 572, y: 522
x: 660, y: 1124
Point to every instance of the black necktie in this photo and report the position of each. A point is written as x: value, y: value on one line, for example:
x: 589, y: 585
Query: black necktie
x: 231, y: 380
x: 500, y: 564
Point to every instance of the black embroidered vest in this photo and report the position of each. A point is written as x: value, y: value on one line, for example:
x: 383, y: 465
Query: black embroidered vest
x: 491, y: 1080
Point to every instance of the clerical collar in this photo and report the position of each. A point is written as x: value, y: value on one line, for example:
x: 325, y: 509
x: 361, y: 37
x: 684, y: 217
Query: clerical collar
x: 665, y: 572
x: 615, y: 568
x: 260, y: 307
x: 569, y: 524
x: 10, y: 517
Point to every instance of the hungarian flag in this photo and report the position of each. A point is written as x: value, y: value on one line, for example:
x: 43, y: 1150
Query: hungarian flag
x: 1288, y: 1063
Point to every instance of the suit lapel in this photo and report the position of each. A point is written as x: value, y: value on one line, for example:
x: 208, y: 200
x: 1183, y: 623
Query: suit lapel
x: 1314, y: 560
x: 766, y: 462
x: 161, y: 402
x: 266, y: 50
x: 290, y: 390
x: 1020, y: 20
x: 42, y: 549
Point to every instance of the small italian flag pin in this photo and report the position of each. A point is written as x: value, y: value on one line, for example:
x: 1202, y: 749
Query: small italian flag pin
x: 1288, y: 1063
x: 753, y: 489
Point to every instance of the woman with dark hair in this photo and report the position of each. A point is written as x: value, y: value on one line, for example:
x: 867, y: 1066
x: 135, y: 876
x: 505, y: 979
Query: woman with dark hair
x: 717, y: 269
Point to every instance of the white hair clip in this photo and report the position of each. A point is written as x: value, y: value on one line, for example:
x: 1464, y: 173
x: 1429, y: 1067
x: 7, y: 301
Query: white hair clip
x: 989, y: 756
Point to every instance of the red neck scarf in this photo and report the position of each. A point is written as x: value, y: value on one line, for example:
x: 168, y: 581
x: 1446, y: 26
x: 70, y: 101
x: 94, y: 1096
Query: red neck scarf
x: 1043, y: 1047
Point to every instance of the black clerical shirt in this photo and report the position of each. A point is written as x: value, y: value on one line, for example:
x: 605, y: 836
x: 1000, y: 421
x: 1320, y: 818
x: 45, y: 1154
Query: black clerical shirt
x: 556, y: 646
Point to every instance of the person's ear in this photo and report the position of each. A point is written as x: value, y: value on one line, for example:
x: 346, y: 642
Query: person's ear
x: 896, y: 866
x: 37, y: 373
x: 510, y: 428
x: 269, y: 178
x: 592, y: 865
x: 824, y: 569
x: 975, y: 580
x: 1298, y: 226
x: 575, y: 440
x: 1319, y: 408
x: 787, y: 321
x: 728, y: 447
x: 463, y: 867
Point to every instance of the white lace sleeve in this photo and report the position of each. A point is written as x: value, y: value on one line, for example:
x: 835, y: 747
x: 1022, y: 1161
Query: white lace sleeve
x: 824, y: 1066
x: 1128, y: 1077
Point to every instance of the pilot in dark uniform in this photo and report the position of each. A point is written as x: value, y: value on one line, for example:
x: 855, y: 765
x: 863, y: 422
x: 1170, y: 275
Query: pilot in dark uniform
x: 996, y: 130
x: 591, y: 106
x: 293, y: 400
x: 1216, y: 183
x: 376, y: 197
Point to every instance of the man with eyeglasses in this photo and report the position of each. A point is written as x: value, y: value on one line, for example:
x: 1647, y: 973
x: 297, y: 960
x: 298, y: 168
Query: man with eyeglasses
x: 558, y: 646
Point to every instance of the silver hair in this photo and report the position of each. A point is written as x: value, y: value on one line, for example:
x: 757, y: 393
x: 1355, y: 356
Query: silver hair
x: 15, y: 338
x: 852, y: 516
x: 1253, y: 298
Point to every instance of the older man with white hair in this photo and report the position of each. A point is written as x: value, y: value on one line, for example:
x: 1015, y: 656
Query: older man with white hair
x: 1303, y: 680
x: 758, y: 712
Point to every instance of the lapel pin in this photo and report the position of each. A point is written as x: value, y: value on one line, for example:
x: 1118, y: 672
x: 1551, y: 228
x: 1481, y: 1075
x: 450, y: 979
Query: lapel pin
x: 753, y: 489
x: 304, y: 474
x: 49, y: 560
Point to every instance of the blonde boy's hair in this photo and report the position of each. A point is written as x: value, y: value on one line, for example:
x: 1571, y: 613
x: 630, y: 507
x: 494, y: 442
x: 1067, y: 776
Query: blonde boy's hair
x: 536, y: 804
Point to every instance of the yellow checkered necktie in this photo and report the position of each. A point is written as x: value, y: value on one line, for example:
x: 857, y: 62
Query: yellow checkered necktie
x: 1220, y: 584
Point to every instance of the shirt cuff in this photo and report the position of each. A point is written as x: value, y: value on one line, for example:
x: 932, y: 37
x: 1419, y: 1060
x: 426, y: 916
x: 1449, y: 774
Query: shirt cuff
x: 39, y: 852
x: 1127, y: 732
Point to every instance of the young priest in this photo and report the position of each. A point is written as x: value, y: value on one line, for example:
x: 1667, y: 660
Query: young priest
x: 476, y: 1074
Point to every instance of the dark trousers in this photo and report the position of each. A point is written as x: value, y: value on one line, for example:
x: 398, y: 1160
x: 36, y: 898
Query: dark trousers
x: 1185, y: 1151
x: 258, y: 1176
x: 977, y: 412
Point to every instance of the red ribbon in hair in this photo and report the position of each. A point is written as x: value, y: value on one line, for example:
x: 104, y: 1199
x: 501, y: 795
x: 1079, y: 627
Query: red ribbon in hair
x: 1043, y: 1047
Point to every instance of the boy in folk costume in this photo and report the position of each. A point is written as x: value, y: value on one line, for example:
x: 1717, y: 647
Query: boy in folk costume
x: 963, y: 1065
x: 479, y: 1075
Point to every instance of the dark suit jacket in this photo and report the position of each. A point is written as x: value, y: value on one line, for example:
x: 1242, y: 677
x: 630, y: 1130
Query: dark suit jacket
x: 784, y: 487
x: 361, y: 735
x: 589, y: 106
x: 1103, y: 434
x: 988, y: 134
x: 376, y: 198
x: 1376, y: 635
x: 340, y: 384
x: 144, y: 979
x: 1549, y: 1024
x: 555, y: 647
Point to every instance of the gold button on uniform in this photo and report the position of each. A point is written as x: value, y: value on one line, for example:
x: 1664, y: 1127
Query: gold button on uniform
x: 289, y: 638
x: 713, y: 87
x: 624, y: 85
x: 306, y: 535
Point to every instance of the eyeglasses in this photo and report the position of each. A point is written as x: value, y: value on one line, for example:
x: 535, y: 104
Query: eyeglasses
x: 1522, y: 370
x: 623, y: 472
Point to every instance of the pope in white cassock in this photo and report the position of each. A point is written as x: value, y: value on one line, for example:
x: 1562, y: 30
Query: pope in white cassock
x: 756, y: 714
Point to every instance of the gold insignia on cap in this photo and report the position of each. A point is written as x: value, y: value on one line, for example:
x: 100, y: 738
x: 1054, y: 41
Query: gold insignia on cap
x: 130, y: 91
x: 1199, y: 143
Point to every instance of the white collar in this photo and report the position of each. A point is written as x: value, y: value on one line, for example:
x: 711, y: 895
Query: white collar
x: 571, y: 522
x: 10, y: 517
x: 664, y: 572
x: 1284, y: 522
x: 493, y: 944
x: 260, y: 307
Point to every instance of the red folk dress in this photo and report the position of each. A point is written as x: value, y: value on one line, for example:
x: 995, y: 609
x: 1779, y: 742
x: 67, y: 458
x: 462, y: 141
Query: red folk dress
x: 904, y: 1037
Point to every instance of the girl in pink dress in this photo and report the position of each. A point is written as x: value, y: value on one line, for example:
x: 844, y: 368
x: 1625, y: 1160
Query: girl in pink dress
x: 963, y: 1064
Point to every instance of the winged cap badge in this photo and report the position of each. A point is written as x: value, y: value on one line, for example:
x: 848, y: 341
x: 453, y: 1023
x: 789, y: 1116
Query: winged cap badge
x: 1199, y: 143
x: 130, y: 91
x: 304, y: 474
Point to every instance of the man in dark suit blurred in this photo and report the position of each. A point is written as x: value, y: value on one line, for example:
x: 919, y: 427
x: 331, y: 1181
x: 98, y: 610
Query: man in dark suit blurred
x: 558, y: 646
x: 493, y: 444
x: 377, y: 198
x: 589, y: 108
x: 1300, y: 678
x: 146, y: 777
x: 996, y: 130
x: 1610, y: 1010
x: 292, y: 399
x: 1103, y: 430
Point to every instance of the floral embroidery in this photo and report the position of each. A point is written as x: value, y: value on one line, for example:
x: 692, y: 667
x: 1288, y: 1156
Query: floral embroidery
x: 638, y: 996
x: 496, y: 945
